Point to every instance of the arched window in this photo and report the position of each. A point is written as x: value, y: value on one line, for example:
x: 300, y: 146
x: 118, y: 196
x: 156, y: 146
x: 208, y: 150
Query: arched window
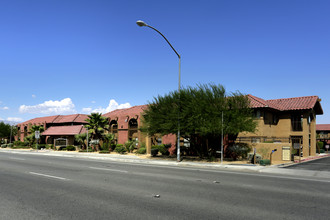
x: 132, y: 129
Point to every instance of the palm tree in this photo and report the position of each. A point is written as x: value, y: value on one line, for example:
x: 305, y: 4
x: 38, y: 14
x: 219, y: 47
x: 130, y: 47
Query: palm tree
x: 81, y: 138
x: 33, y: 129
x: 97, y: 125
x: 108, y: 140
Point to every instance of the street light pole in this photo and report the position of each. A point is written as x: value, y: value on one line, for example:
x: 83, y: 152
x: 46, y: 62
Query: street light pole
x: 142, y: 24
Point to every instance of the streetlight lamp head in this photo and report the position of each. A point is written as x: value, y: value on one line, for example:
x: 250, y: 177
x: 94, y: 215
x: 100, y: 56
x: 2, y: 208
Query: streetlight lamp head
x: 141, y: 23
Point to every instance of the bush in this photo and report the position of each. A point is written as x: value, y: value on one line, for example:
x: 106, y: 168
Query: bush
x: 113, y: 147
x: 238, y: 150
x: 162, y: 149
x: 154, y: 151
x: 104, y: 152
x: 62, y: 148
x: 130, y: 145
x: 3, y: 145
x: 10, y: 145
x: 49, y: 146
x: 120, y: 149
x: 70, y: 148
x: 141, y: 150
x: 105, y: 146
x: 20, y: 143
x: 264, y: 162
x: 322, y: 151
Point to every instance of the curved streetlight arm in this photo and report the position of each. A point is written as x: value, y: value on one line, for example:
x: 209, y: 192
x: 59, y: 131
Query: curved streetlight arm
x: 165, y: 39
x: 141, y: 24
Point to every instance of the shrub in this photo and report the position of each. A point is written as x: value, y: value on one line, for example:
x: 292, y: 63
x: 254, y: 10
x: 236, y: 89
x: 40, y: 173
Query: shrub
x: 3, y: 145
x: 322, y: 151
x: 163, y: 149
x: 10, y: 145
x: 154, y: 151
x: 49, y: 146
x: 238, y: 150
x: 130, y: 145
x: 105, y: 146
x: 20, y: 143
x: 70, y: 148
x: 62, y: 148
x: 104, y: 152
x: 113, y: 146
x: 264, y: 162
x: 120, y: 149
x: 141, y: 150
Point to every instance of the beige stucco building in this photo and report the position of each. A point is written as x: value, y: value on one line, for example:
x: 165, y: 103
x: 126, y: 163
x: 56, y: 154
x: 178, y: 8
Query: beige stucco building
x: 284, y: 125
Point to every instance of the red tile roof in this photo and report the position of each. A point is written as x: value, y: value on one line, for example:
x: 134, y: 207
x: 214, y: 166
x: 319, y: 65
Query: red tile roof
x: 71, y: 118
x: 135, y: 110
x: 47, y: 119
x: 65, y: 130
x: 287, y: 104
x: 323, y: 127
x: 78, y: 118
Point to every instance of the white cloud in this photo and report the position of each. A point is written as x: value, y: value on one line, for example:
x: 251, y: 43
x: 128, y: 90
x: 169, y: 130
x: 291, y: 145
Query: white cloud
x: 113, y: 105
x: 4, y: 108
x: 93, y: 102
x: 87, y: 110
x: 64, y: 106
x: 33, y: 96
x: 14, y: 119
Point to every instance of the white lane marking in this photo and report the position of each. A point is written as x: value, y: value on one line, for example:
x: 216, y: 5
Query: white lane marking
x: 45, y: 175
x: 99, y: 168
x: 16, y: 158
x: 199, y: 169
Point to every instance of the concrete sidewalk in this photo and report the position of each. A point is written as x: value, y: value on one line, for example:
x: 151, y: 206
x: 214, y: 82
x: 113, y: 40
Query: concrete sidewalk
x: 274, y: 169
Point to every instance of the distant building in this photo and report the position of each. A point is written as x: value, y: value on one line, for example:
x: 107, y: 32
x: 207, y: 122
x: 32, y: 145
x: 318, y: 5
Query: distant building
x: 323, y: 133
x: 62, y: 127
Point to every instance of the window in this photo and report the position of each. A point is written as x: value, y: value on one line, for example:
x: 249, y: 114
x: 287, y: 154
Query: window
x: 296, y: 122
x: 257, y: 114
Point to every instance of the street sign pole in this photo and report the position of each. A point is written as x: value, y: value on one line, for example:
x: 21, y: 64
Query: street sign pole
x: 37, y: 136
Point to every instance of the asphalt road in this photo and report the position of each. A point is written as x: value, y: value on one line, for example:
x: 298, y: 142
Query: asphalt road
x: 322, y: 164
x: 45, y: 187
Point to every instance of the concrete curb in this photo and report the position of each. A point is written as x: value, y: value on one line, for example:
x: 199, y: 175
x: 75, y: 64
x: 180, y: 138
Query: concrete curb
x: 274, y: 169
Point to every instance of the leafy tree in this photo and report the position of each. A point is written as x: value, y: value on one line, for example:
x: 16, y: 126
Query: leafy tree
x: 6, y: 129
x: 199, y: 113
x: 97, y: 125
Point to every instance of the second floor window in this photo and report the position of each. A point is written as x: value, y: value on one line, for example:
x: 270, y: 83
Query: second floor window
x: 296, y: 121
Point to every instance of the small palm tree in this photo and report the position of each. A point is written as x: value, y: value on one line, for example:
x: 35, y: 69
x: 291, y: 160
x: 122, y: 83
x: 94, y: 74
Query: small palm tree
x: 81, y: 139
x: 97, y: 125
x: 108, y: 140
x: 33, y: 129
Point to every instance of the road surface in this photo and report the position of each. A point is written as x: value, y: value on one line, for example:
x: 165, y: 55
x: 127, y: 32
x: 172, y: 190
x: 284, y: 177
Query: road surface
x: 47, y: 187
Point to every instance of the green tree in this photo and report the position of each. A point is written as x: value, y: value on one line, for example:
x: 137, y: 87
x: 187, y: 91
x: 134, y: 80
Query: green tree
x: 81, y: 139
x: 108, y: 140
x: 30, y: 139
x: 97, y: 125
x: 35, y: 128
x: 6, y: 130
x: 199, y: 111
x: 130, y: 145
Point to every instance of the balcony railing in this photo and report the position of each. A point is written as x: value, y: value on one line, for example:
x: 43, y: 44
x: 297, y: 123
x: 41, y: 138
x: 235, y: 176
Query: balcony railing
x: 263, y: 139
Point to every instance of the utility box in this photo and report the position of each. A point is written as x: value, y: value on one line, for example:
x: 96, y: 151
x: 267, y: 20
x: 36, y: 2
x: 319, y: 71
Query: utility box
x: 286, y: 153
x: 258, y: 157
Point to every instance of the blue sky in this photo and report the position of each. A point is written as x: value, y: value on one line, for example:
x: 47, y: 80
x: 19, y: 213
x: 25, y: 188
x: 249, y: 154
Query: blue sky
x: 68, y: 56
